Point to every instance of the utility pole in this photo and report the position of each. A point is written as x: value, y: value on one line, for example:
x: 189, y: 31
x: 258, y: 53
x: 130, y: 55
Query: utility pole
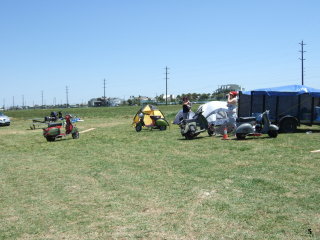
x: 67, y: 95
x: 166, y: 85
x: 41, y: 99
x: 104, y: 89
x: 13, y: 102
x: 302, y: 59
x: 22, y: 101
x: 104, y: 92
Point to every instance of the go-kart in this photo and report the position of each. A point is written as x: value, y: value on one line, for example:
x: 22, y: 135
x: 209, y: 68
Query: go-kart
x: 190, y: 128
x: 157, y: 122
x: 53, y: 131
x: 256, y: 126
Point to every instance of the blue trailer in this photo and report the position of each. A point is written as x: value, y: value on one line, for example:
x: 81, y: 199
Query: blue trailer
x: 290, y: 106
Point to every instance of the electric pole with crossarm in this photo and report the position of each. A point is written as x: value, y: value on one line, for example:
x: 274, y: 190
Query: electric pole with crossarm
x: 302, y: 59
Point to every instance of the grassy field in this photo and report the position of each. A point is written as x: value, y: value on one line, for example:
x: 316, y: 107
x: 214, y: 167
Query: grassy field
x: 115, y: 183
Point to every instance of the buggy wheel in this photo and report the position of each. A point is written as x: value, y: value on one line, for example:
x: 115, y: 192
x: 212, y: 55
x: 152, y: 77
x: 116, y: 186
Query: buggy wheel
x: 50, y: 139
x: 189, y: 136
x: 138, y: 128
x: 241, y: 136
x: 273, y: 134
x: 191, y: 133
x: 75, y: 135
x: 210, y: 132
x: 163, y: 128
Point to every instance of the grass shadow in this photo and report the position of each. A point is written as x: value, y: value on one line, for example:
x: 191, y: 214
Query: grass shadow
x: 196, y: 138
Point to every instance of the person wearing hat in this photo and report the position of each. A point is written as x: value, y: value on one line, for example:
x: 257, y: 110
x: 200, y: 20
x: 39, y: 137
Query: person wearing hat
x: 232, y: 108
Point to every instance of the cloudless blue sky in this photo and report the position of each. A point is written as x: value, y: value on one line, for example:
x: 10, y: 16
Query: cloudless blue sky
x: 48, y: 45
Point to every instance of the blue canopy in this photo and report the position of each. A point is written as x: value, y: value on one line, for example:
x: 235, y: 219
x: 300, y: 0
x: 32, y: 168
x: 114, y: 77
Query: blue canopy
x: 289, y: 90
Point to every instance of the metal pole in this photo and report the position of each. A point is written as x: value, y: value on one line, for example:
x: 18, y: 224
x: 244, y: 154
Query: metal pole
x: 67, y: 96
x: 166, y: 85
x: 302, y: 59
x: 104, y: 89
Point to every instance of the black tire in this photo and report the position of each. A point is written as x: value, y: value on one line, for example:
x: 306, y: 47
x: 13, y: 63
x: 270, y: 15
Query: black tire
x: 50, y: 139
x: 288, y: 125
x: 75, y: 135
x: 273, y: 133
x: 138, y: 128
x: 163, y: 128
x: 211, y: 131
x: 241, y: 136
x: 189, y: 136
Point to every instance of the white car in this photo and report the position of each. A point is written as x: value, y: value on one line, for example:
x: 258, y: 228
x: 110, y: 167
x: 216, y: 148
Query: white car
x: 4, y: 120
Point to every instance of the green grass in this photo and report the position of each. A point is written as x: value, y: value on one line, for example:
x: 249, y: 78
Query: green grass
x: 115, y: 183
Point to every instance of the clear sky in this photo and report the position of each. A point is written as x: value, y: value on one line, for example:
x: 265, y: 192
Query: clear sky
x: 48, y: 45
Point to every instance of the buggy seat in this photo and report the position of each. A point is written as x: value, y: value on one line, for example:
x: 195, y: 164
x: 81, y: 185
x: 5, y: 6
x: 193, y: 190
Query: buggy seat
x: 246, y: 119
x: 155, y: 118
x: 54, y: 124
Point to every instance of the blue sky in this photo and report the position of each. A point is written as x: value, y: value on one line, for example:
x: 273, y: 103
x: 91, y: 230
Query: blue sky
x: 48, y: 45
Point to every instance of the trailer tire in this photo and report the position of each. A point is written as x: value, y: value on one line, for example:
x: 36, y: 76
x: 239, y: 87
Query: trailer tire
x: 288, y: 125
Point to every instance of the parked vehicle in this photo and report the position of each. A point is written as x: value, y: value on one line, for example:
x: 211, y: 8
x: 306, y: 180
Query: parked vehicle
x: 256, y: 126
x: 151, y: 117
x: 4, y: 120
x: 190, y: 128
x: 290, y: 106
x: 216, y: 114
x: 53, y: 131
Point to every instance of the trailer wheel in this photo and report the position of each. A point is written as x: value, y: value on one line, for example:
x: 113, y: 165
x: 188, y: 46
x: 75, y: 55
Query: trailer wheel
x: 288, y: 125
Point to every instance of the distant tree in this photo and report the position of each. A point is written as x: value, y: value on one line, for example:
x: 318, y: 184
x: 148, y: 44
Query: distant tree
x: 204, y: 96
x: 130, y: 102
x: 160, y: 98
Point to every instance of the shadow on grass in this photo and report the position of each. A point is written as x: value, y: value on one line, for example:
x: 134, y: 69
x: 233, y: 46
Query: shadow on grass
x: 250, y: 138
x: 196, y: 138
x: 305, y: 130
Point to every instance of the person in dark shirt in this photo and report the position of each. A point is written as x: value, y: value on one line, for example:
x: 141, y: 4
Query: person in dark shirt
x: 186, y: 107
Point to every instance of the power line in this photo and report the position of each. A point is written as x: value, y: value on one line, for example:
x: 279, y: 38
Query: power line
x: 302, y: 59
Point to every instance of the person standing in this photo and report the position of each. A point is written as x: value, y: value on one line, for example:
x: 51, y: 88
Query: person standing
x: 232, y: 103
x: 186, y: 107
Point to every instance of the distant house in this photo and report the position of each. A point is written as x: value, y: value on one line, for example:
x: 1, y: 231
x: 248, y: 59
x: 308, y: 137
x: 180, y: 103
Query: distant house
x: 169, y: 97
x: 229, y: 87
x: 113, y: 102
x: 96, y: 102
x: 104, y: 102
